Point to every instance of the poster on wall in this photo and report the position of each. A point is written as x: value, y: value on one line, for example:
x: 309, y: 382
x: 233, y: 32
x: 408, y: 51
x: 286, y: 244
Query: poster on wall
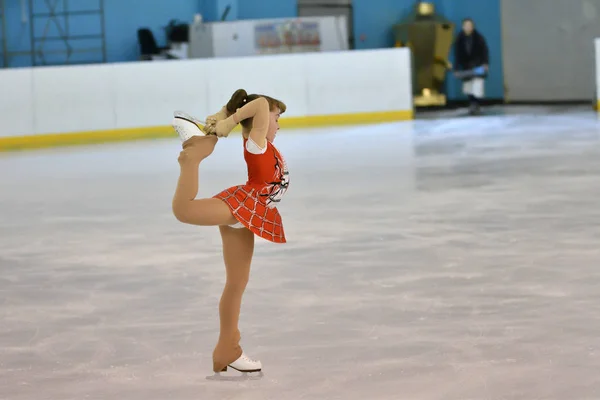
x: 287, y: 37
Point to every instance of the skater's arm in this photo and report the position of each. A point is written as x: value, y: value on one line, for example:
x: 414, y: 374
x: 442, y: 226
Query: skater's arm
x: 258, y: 110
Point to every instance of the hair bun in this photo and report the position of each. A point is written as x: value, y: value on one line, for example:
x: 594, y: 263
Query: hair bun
x: 238, y: 99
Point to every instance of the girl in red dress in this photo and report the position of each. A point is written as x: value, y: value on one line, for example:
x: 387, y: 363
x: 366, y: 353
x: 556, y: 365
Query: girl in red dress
x: 240, y: 212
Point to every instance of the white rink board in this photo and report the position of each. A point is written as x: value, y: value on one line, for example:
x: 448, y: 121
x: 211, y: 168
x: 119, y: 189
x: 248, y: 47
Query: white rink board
x: 16, y: 102
x: 597, y: 51
x: 73, y: 99
x: 144, y: 94
x: 150, y: 92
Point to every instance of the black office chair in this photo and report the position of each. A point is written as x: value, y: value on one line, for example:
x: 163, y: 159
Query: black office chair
x: 149, y: 50
x: 178, y: 32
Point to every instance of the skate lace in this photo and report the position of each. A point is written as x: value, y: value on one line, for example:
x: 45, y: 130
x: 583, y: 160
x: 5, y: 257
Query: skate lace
x: 246, y: 358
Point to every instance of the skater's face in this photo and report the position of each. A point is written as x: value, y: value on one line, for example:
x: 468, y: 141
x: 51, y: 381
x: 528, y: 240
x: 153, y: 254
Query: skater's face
x: 273, y: 124
x: 468, y: 27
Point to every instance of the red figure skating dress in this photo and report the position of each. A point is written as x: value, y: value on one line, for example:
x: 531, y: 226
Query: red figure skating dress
x: 254, y: 204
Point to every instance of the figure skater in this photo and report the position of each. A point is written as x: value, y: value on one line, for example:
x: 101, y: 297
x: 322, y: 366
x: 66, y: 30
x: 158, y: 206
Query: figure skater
x: 241, y: 211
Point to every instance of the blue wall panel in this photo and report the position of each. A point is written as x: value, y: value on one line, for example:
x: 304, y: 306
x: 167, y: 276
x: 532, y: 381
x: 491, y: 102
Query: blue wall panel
x: 256, y: 9
x: 122, y: 20
x: 209, y: 10
x: 233, y: 14
x: 373, y: 21
x: 124, y: 17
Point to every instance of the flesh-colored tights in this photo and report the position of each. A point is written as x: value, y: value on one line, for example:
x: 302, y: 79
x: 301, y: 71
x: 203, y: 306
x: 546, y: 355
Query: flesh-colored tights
x: 238, y: 244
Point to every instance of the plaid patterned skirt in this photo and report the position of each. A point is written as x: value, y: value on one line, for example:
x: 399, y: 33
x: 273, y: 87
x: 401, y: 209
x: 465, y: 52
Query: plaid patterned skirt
x: 251, y: 210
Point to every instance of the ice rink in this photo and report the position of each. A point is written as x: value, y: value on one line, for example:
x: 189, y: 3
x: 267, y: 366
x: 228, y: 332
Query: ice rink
x: 437, y: 259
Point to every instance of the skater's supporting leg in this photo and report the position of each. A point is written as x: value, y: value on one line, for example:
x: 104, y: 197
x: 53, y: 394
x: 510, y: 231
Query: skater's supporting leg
x: 185, y: 207
x: 238, y: 248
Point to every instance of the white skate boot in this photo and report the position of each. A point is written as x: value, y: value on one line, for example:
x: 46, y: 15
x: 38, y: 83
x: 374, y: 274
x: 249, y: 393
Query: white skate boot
x: 245, y: 364
x: 187, y: 126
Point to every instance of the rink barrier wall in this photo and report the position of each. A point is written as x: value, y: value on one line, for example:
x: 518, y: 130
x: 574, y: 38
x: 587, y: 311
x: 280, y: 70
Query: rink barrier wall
x: 55, y: 106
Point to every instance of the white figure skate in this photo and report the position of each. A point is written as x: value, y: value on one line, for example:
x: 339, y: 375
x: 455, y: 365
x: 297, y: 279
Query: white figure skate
x: 187, y: 126
x: 245, y: 365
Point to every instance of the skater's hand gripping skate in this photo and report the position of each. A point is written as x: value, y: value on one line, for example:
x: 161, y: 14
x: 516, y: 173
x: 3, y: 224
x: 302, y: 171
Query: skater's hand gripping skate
x: 211, y: 121
x: 224, y: 127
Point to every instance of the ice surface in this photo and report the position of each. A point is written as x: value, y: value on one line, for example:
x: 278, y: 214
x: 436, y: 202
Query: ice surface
x: 436, y: 259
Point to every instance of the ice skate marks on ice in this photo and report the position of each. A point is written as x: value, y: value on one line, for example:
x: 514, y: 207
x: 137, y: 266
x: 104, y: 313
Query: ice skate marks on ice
x: 245, y: 376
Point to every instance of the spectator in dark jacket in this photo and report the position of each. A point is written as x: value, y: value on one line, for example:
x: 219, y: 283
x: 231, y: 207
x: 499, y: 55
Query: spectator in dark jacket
x: 472, y: 62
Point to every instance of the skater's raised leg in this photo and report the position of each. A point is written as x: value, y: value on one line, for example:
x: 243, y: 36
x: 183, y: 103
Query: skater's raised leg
x: 186, y: 208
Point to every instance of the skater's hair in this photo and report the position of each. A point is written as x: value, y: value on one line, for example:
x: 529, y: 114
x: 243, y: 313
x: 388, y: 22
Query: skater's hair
x: 240, y: 98
x: 468, y: 20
